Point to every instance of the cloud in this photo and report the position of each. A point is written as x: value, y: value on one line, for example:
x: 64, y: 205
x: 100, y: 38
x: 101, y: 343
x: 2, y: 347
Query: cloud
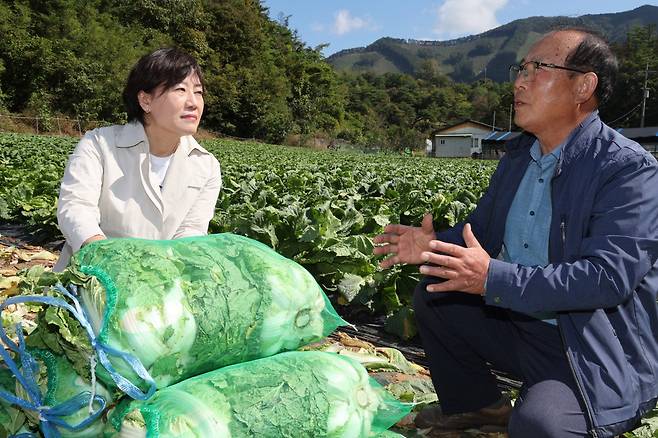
x: 344, y: 22
x: 466, y: 17
x: 317, y: 27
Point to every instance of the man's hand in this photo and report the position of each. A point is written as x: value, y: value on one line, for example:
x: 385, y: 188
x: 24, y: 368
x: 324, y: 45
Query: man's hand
x: 405, y: 244
x: 465, y: 269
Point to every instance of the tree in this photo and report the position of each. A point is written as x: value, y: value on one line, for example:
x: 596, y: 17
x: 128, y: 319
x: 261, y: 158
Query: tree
x: 639, y: 51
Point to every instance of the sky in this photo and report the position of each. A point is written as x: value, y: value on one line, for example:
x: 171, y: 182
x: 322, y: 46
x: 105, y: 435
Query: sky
x: 346, y: 24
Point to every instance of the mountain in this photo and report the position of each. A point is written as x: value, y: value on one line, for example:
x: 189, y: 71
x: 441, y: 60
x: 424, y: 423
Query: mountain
x: 488, y: 54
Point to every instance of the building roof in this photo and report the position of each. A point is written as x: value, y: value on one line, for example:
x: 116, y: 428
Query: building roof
x: 498, y: 136
x: 466, y: 122
x: 633, y: 133
x: 649, y: 132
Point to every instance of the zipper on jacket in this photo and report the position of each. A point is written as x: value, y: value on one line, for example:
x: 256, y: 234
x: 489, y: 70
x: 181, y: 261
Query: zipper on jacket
x: 563, y: 234
x: 588, y: 409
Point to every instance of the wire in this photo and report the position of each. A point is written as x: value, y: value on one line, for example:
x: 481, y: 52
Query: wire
x: 627, y: 114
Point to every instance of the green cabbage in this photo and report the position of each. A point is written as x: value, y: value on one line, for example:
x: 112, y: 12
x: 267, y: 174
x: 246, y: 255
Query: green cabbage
x: 293, y: 394
x: 11, y: 418
x: 59, y: 382
x: 188, y: 306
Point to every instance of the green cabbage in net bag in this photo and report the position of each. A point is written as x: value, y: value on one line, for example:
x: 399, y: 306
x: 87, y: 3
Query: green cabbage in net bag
x: 12, y: 419
x: 294, y: 394
x: 388, y: 434
x: 187, y: 306
x: 59, y: 382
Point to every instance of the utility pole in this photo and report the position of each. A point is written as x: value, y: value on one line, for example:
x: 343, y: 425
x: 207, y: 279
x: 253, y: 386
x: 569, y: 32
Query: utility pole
x: 645, y: 94
x: 511, y: 109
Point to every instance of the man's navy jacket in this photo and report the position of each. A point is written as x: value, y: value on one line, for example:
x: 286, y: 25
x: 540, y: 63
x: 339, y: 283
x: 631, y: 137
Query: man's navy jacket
x: 602, y: 278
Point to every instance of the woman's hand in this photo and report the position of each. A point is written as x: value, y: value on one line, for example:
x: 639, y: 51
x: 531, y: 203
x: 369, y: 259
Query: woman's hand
x: 93, y: 239
x: 404, y: 243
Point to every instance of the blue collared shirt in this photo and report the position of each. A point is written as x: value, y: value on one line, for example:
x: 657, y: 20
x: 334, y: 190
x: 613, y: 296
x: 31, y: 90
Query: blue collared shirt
x: 528, y: 222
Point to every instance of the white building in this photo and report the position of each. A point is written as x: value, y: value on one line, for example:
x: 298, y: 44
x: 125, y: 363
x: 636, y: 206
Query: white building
x: 463, y: 139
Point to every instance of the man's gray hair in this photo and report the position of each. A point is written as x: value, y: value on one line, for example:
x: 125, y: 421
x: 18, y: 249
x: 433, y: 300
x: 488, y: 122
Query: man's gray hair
x: 594, y: 54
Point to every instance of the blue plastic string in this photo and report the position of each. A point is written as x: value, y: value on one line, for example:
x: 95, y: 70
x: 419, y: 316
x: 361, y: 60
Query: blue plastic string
x: 26, y: 376
x: 49, y: 417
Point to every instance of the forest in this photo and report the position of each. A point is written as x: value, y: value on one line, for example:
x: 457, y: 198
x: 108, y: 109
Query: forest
x: 70, y: 58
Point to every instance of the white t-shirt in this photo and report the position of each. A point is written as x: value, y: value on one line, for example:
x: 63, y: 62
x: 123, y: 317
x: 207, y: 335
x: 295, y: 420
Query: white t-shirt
x: 159, y: 166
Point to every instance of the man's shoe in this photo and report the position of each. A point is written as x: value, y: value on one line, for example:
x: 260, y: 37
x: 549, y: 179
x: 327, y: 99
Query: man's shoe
x: 492, y: 418
x: 428, y: 416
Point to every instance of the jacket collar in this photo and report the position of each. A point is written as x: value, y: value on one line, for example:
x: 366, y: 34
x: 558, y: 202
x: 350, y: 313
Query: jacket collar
x: 570, y: 149
x: 133, y: 133
x: 132, y: 136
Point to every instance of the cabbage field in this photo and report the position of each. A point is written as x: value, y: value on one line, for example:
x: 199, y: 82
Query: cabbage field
x: 319, y: 208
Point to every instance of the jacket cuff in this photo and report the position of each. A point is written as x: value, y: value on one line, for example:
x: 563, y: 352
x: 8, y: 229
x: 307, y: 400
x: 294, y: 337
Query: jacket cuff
x: 189, y: 232
x: 499, y: 278
x: 80, y: 234
x: 486, y: 280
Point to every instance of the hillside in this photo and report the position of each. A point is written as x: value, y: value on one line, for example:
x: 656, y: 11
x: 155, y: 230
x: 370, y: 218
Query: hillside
x: 70, y: 58
x: 487, y: 54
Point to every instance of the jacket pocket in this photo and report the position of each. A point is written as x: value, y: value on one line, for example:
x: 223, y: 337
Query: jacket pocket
x: 609, y: 383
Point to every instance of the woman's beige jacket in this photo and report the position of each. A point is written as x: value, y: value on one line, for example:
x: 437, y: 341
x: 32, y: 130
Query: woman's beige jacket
x: 106, y: 190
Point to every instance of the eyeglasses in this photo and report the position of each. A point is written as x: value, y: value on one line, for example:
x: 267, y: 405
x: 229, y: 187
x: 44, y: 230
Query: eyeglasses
x: 528, y: 70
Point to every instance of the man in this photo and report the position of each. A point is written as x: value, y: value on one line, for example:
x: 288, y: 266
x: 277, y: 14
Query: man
x: 553, y: 277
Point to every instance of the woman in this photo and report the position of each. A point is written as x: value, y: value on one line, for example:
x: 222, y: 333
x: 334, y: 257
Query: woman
x: 149, y: 178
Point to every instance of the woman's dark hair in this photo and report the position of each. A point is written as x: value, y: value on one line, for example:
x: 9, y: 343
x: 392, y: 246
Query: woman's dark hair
x: 594, y: 54
x: 164, y: 67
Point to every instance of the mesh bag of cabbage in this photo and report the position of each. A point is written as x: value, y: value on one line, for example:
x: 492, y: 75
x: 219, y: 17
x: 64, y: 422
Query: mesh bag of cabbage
x: 294, y: 394
x: 64, y: 395
x: 11, y: 418
x: 188, y: 306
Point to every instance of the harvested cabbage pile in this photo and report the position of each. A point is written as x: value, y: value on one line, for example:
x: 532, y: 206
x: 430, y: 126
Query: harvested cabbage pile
x: 188, y: 306
x: 222, y: 305
x: 293, y: 394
